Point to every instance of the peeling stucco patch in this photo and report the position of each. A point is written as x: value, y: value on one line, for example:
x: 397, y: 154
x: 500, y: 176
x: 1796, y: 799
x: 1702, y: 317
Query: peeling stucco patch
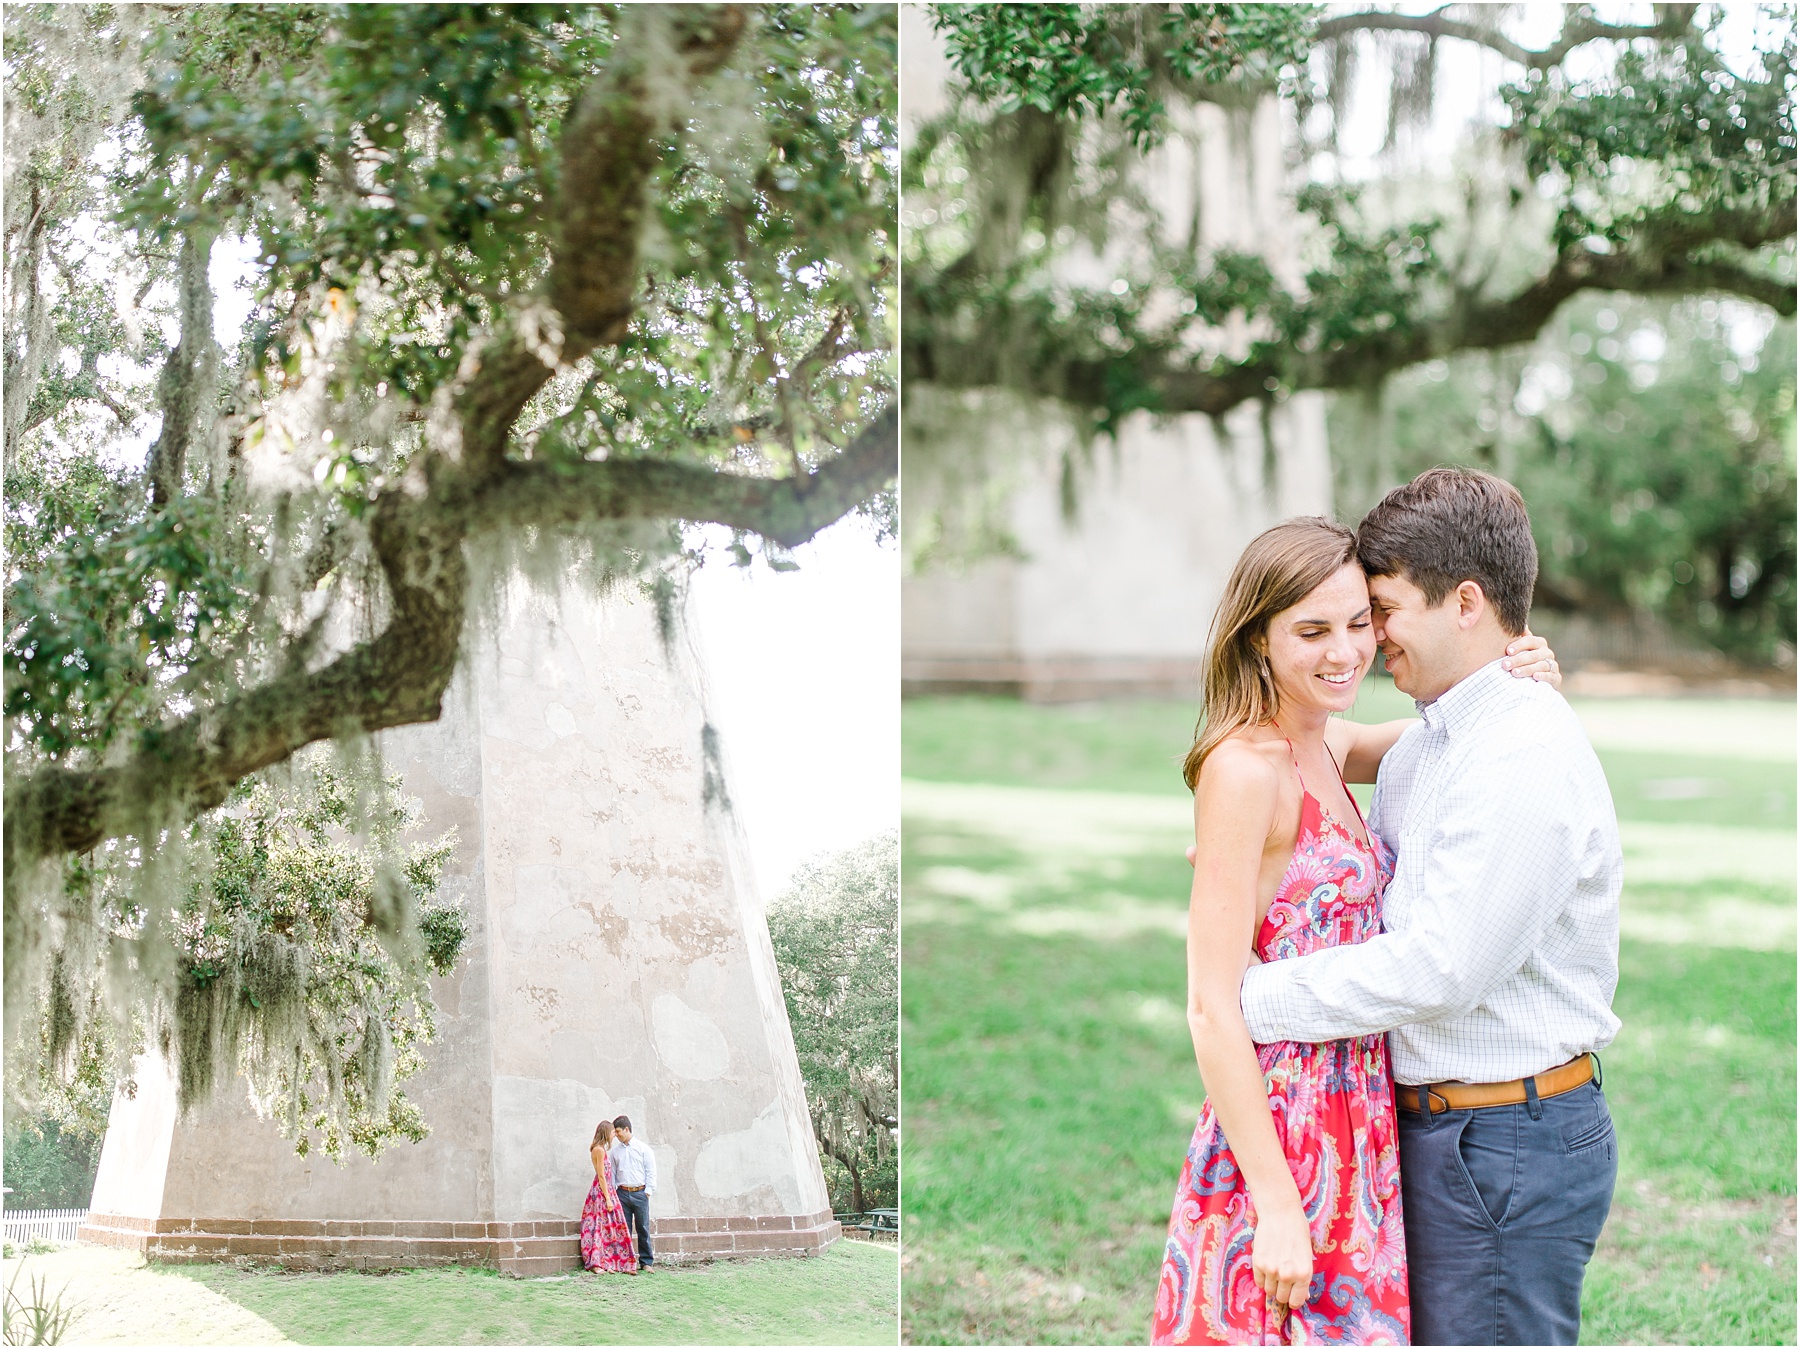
x: 688, y: 1041
x: 734, y: 1164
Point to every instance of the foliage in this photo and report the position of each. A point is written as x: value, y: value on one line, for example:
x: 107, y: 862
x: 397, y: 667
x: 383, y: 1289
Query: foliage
x: 36, y: 1317
x: 1085, y: 60
x: 1657, y: 455
x: 498, y: 287
x: 308, y: 961
x: 49, y: 1165
x: 112, y: 612
x: 1713, y: 136
x: 303, y: 944
x: 1045, y: 258
x: 835, y: 932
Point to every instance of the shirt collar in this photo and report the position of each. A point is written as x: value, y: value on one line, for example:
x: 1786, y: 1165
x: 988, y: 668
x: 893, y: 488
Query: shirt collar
x: 1467, y: 701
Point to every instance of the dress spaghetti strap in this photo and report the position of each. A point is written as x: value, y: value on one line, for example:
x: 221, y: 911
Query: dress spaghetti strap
x: 1366, y: 842
x: 1294, y: 759
x: 1312, y: 810
x: 1368, y: 838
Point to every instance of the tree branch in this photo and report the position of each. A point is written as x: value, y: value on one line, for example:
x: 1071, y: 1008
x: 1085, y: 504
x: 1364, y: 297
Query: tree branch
x: 789, y: 510
x: 399, y: 677
x: 609, y: 150
x: 1659, y: 259
x: 188, y: 373
x: 191, y: 765
x: 464, y: 481
x: 1580, y: 28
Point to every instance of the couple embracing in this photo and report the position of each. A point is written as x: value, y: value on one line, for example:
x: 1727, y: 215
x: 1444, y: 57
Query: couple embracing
x: 1405, y: 1006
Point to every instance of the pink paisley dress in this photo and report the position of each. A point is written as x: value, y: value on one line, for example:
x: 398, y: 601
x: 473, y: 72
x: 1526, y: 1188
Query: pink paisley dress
x: 605, y: 1240
x: 1333, y: 1105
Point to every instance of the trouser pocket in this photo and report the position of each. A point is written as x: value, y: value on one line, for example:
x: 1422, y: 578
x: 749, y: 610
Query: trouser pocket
x: 1488, y: 1150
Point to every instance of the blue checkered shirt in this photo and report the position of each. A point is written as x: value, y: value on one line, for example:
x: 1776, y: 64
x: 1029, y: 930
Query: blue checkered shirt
x: 1500, y: 948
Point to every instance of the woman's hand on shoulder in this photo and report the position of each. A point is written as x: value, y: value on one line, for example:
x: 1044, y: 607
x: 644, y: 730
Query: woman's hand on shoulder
x: 1529, y: 656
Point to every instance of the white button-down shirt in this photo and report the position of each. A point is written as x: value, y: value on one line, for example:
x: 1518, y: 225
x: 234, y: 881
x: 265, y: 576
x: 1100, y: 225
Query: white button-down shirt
x: 1500, y: 948
x: 634, y: 1164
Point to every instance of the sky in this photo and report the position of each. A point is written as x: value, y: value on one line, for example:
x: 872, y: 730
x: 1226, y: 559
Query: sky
x: 803, y: 685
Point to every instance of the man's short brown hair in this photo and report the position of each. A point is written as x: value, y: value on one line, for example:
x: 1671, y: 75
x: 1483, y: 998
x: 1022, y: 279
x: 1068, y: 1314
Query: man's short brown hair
x: 1451, y: 525
x: 622, y: 1122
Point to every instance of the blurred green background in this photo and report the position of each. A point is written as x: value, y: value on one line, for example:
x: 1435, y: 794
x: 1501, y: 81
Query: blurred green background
x: 1050, y: 1086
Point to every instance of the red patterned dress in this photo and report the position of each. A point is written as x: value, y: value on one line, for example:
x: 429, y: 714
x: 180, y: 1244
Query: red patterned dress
x: 605, y: 1240
x: 1333, y: 1106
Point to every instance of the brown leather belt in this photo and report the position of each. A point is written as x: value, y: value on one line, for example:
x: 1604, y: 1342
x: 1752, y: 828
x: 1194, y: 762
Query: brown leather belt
x: 639, y: 1187
x: 1444, y: 1096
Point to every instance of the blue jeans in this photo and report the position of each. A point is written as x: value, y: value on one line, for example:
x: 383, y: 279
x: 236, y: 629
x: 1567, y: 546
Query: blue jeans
x: 1503, y: 1207
x: 637, y: 1218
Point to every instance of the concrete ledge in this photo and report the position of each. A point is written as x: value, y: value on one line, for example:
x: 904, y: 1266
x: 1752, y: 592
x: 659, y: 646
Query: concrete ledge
x: 1052, y: 679
x: 527, y: 1249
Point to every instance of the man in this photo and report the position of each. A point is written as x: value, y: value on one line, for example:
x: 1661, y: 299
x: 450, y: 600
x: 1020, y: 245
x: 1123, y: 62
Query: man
x: 634, y: 1172
x: 1495, y: 972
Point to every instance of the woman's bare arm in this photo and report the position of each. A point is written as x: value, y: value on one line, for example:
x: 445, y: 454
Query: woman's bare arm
x: 1235, y: 803
x: 1358, y: 748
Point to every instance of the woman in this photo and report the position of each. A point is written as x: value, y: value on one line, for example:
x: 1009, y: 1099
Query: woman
x: 605, y: 1242
x: 1291, y: 1233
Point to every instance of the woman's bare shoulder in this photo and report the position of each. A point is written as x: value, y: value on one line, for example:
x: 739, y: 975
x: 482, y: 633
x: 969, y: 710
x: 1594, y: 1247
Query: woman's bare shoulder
x: 1240, y: 764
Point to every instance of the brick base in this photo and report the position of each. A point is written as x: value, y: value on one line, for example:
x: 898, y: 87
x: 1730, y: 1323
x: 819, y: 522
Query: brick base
x: 526, y: 1249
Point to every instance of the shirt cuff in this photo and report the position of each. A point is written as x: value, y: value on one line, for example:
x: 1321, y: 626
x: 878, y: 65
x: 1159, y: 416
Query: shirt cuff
x: 1260, y: 998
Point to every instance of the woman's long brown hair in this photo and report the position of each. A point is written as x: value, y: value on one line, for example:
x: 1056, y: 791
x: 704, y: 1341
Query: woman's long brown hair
x: 603, y: 1135
x: 1281, y: 567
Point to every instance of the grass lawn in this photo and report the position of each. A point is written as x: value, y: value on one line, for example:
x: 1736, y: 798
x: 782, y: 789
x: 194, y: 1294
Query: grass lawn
x: 1050, y: 1088
x: 846, y: 1296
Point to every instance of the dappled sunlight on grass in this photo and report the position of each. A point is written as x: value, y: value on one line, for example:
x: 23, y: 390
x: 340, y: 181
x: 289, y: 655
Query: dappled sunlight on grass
x: 1050, y: 1087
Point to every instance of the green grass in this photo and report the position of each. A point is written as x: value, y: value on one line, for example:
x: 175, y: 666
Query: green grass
x: 1050, y: 1088
x: 846, y: 1296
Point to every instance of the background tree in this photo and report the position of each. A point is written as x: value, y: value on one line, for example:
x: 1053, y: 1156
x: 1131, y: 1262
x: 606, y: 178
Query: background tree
x: 836, y: 932
x: 519, y: 286
x: 1655, y: 443
x: 1627, y: 156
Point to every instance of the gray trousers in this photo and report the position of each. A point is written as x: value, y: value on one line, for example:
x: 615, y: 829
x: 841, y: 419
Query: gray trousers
x: 637, y: 1219
x: 1503, y: 1207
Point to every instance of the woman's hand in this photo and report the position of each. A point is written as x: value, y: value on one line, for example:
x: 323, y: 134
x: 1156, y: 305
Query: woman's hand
x: 1281, y: 1256
x: 1530, y: 657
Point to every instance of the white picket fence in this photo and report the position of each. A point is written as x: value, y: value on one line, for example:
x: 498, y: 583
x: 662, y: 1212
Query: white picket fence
x: 54, y: 1224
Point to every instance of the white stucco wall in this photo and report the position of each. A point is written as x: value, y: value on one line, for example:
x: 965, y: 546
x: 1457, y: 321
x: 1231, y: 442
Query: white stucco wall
x: 618, y: 962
